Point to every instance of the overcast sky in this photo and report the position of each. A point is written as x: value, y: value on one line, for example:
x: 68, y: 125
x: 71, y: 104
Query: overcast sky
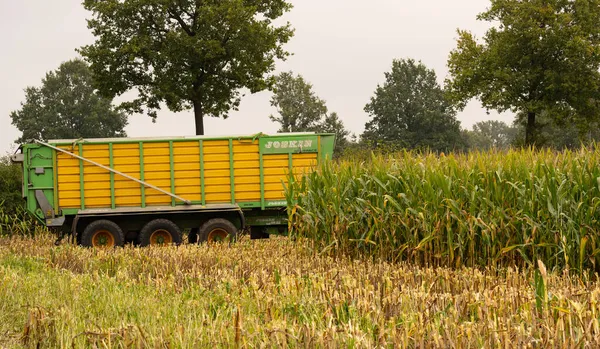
x: 343, y: 47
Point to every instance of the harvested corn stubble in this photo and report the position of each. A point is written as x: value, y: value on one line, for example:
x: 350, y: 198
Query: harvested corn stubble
x: 278, y: 294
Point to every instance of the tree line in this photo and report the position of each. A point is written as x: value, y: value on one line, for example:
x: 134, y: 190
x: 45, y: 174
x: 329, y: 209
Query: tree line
x: 540, y: 59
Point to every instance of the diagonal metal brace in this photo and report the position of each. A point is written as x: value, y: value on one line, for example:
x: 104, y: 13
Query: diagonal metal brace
x: 146, y: 184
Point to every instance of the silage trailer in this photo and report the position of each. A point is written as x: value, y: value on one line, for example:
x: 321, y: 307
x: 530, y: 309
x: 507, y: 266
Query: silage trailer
x: 106, y: 192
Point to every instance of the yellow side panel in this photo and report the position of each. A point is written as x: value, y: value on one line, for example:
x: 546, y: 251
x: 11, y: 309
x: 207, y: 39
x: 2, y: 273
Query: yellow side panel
x: 157, y: 171
x: 126, y: 159
x: 213, y: 189
x: 240, y: 180
x: 128, y: 201
x: 270, y: 163
x: 248, y: 188
x: 71, y: 195
x: 186, y: 159
x: 246, y: 165
x: 96, y: 180
x: 218, y: 198
x: 126, y: 185
x: 217, y: 182
x: 215, y: 147
x: 274, y: 195
x: 217, y: 174
x: 69, y: 203
x: 222, y: 143
x: 276, y: 170
x: 97, y: 193
x: 247, y: 197
x: 158, y: 176
x: 187, y: 182
x: 67, y: 172
x: 97, y: 202
x: 68, y: 178
x: 217, y: 165
x: 157, y: 199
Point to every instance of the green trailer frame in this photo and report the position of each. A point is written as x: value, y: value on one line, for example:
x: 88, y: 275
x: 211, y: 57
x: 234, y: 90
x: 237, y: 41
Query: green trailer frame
x: 41, y: 189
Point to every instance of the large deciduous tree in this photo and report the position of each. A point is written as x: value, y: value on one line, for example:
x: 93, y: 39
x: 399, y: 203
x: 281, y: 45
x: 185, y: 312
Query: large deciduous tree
x: 299, y: 109
x: 492, y: 134
x: 540, y: 56
x: 562, y: 135
x: 333, y: 124
x: 410, y: 111
x: 67, y: 106
x: 187, y: 54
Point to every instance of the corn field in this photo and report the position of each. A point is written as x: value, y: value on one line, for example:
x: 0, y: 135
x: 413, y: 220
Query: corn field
x: 19, y: 223
x: 485, y: 209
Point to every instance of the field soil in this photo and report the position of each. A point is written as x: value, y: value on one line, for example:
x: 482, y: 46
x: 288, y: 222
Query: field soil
x: 278, y: 293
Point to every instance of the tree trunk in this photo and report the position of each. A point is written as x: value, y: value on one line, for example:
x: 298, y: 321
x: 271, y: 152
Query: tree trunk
x: 199, y: 117
x: 530, y: 129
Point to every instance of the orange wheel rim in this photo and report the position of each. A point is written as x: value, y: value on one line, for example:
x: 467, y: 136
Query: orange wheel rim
x: 103, y: 238
x: 161, y: 237
x: 217, y: 235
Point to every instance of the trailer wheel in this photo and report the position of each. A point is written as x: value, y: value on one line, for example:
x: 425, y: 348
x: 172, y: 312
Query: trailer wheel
x: 102, y: 234
x: 160, y: 232
x: 217, y: 230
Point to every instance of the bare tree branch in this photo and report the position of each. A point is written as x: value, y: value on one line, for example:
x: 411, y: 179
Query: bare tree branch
x: 181, y: 22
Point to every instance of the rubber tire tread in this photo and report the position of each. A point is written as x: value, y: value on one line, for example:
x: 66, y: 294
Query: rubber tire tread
x: 152, y: 226
x: 102, y: 224
x: 215, y: 223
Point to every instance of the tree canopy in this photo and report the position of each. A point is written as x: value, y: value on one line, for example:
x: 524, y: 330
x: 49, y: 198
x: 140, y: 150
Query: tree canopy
x: 542, y: 56
x: 185, y: 54
x: 491, y: 135
x: 558, y: 134
x: 410, y: 110
x: 299, y: 109
x: 66, y: 106
x: 333, y: 124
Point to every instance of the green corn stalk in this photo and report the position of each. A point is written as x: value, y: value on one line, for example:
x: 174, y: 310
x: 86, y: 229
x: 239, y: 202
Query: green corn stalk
x: 481, y: 209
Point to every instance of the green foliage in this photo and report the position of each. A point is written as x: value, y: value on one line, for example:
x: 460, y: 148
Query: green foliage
x: 410, y: 111
x: 300, y: 110
x: 15, y: 220
x: 66, y: 106
x: 19, y: 222
x: 541, y: 56
x: 549, y: 133
x: 498, y: 135
x: 10, y: 186
x: 491, y: 135
x: 333, y: 124
x: 185, y: 54
x: 477, y: 209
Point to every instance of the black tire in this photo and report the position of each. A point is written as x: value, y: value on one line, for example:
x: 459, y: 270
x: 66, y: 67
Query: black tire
x: 102, y: 233
x: 217, y: 230
x: 159, y: 232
